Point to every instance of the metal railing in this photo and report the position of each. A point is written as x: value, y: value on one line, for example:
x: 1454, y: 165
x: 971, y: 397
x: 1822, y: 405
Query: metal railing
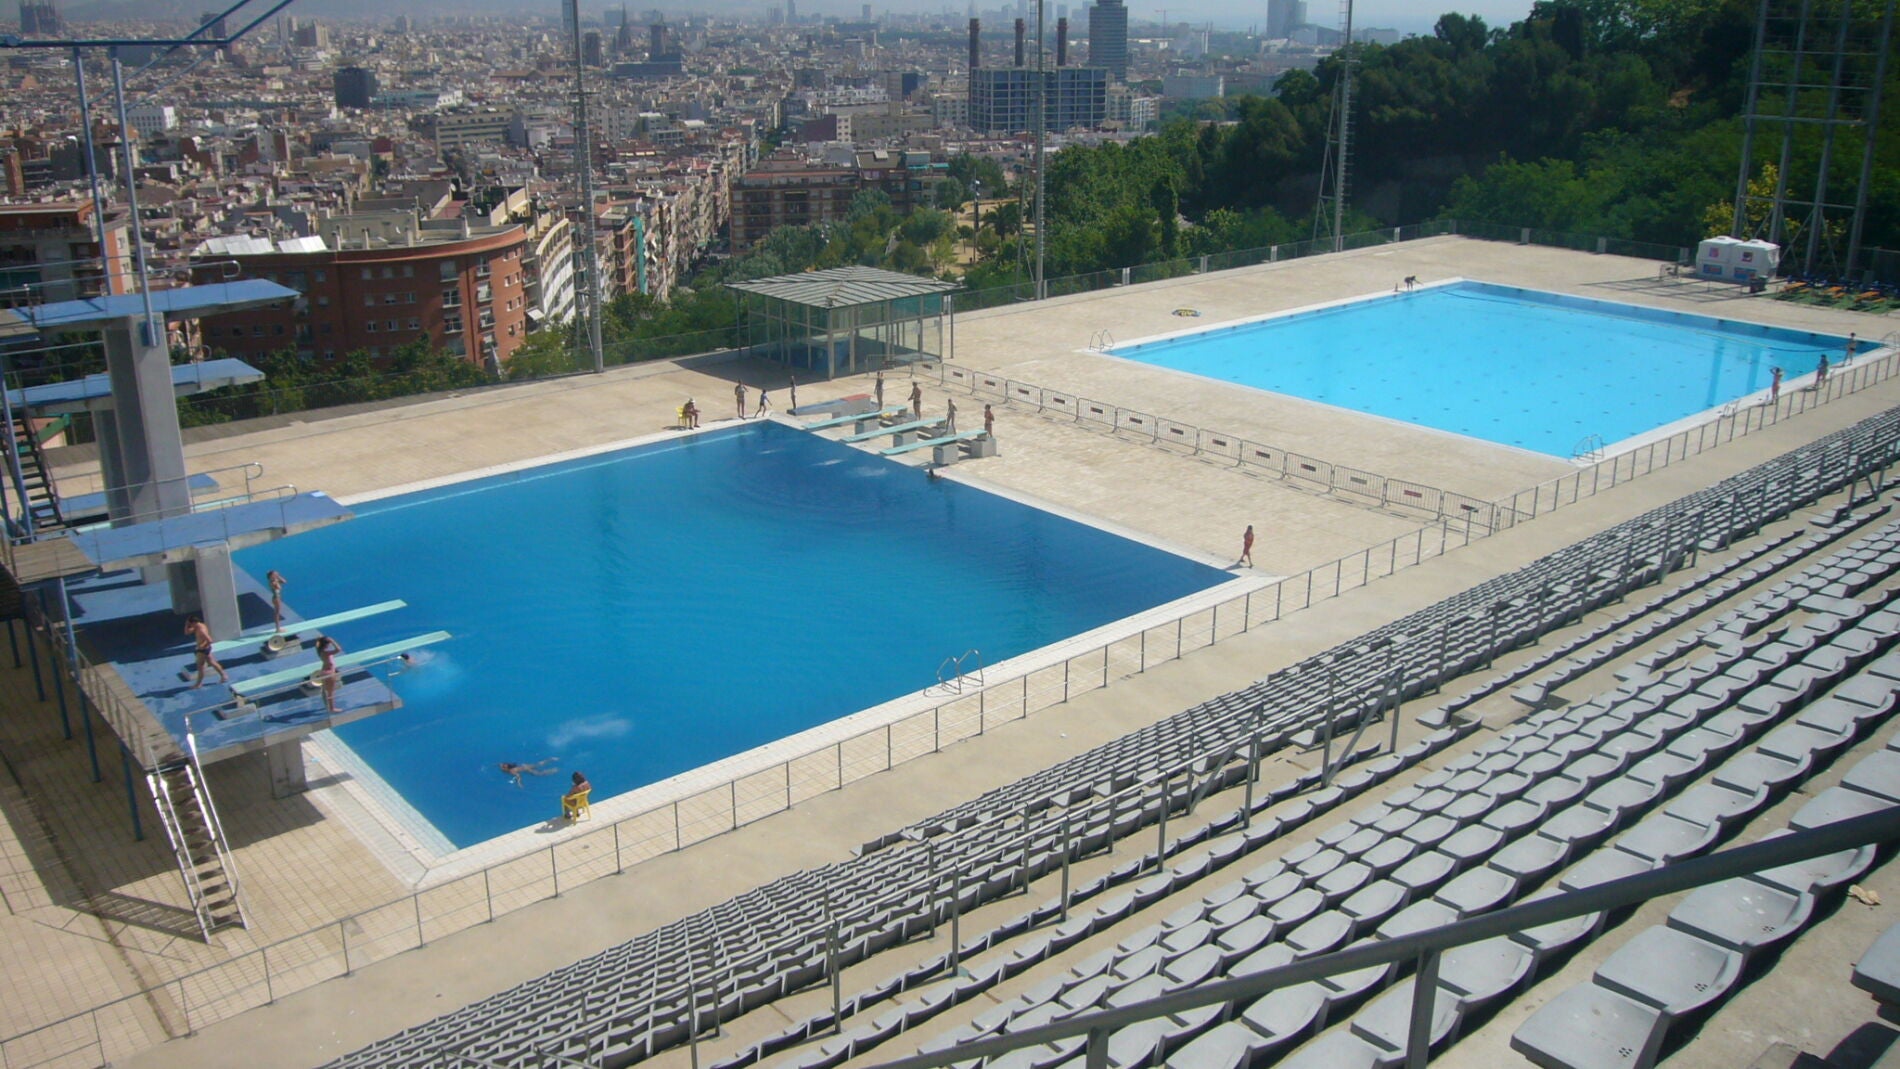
x: 307, y: 958
x: 1424, y: 949
x: 312, y: 956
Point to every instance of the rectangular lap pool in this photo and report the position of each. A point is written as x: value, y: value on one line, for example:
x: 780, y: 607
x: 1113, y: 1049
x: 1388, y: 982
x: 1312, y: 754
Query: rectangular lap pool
x: 1541, y: 371
x: 641, y: 613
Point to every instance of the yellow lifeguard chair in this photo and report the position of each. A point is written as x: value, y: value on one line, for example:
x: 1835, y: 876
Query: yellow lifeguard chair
x: 574, y: 806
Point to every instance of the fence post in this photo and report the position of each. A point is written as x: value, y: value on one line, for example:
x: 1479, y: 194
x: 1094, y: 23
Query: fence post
x: 344, y: 931
x: 415, y: 900
x: 554, y: 870
x: 488, y: 897
x: 619, y: 867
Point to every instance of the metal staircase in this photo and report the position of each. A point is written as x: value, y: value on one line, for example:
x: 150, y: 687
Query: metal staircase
x: 32, y: 483
x: 198, y: 843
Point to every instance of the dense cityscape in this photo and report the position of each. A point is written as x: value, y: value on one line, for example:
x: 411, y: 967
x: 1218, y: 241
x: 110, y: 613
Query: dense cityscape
x: 415, y: 177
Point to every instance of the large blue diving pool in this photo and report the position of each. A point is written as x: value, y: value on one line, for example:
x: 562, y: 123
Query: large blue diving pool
x: 642, y: 613
x: 1541, y: 371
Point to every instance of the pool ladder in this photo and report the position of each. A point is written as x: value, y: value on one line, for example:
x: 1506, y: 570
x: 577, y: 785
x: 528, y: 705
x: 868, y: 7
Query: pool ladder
x: 1589, y: 450
x: 1101, y: 341
x: 951, y: 675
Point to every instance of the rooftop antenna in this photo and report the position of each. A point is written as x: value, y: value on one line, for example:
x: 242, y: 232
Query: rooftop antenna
x: 589, y: 297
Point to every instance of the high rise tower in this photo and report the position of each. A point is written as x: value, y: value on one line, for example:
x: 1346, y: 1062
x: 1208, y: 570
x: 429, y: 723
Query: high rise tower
x: 1108, y: 38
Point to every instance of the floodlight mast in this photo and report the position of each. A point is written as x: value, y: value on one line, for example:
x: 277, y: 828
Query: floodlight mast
x: 584, y: 161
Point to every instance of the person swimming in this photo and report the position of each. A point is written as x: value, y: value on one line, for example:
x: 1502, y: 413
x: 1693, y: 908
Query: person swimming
x: 517, y: 769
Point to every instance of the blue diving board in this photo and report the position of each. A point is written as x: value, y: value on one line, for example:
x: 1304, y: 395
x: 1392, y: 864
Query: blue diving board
x: 83, y: 506
x: 185, y: 302
x: 244, y: 688
x: 839, y: 421
x: 297, y: 627
x: 177, y: 538
x: 926, y: 443
x: 94, y: 392
x: 894, y: 429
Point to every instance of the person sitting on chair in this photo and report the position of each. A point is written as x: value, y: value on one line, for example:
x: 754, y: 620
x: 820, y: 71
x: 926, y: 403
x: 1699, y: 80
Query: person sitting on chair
x: 575, y: 799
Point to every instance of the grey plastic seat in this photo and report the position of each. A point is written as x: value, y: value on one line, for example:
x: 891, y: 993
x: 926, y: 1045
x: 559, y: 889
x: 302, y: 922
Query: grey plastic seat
x: 1386, y: 1021
x: 1417, y: 917
x: 1671, y: 970
x: 1373, y: 903
x: 1756, y: 771
x: 1742, y: 915
x: 1835, y: 804
x: 1531, y: 858
x: 1591, y: 1027
x: 1878, y: 775
x: 1294, y: 909
x: 1548, y: 940
x: 1322, y: 933
x: 1663, y: 838
x: 1477, y: 890
x: 1423, y: 873
x: 1335, y: 1050
x: 1229, y: 1045
x: 1485, y: 970
x: 1878, y: 971
x: 1280, y: 1017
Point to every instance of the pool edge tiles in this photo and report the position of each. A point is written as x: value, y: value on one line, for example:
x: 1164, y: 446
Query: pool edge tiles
x: 417, y: 852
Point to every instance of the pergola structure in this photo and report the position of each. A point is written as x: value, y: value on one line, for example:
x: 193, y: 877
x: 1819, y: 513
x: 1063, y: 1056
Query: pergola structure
x: 846, y: 320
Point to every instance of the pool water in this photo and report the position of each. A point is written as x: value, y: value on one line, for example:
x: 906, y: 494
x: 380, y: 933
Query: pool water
x: 1537, y: 370
x: 645, y: 612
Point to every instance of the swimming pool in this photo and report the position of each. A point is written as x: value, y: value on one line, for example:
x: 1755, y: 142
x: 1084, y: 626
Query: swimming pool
x: 644, y: 612
x: 1541, y: 371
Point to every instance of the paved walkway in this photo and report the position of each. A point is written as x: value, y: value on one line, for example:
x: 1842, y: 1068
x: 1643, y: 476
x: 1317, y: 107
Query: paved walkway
x: 91, y: 914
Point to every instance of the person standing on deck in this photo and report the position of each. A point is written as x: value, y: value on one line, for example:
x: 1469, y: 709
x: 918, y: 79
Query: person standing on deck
x: 277, y: 582
x: 1246, y: 547
x: 950, y: 415
x: 877, y: 389
x: 765, y: 403
x: 989, y: 422
x: 738, y: 396
x: 1774, y: 385
x: 791, y: 385
x: 200, y: 636
x: 917, y: 399
x: 328, y: 676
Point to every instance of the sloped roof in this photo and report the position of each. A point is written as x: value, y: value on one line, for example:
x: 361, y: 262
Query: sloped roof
x: 843, y: 287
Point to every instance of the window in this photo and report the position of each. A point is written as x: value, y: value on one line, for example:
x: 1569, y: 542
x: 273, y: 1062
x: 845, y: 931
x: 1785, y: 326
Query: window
x: 372, y: 326
x: 452, y: 298
x: 408, y: 270
x: 415, y: 324
x: 257, y: 330
x: 392, y: 298
x: 452, y: 323
x: 321, y: 275
x: 368, y: 274
x: 277, y: 329
x: 369, y: 300
x: 325, y: 327
x: 329, y: 354
x: 389, y: 271
x: 409, y: 297
x: 390, y: 326
x: 448, y: 269
x: 323, y: 302
x: 481, y: 269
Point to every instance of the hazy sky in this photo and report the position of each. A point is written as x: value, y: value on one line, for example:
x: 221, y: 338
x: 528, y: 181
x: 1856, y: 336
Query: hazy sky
x: 1412, y: 16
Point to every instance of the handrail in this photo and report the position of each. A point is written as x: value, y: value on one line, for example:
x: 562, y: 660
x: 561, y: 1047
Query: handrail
x: 1425, y: 946
x: 218, y: 840
x: 94, y: 482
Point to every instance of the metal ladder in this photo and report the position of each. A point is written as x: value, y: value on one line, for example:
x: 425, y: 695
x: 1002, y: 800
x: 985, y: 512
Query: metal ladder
x: 953, y: 682
x: 32, y: 483
x: 1589, y: 449
x: 197, y: 840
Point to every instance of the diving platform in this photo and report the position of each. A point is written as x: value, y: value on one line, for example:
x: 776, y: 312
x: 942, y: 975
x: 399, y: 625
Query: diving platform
x: 930, y: 443
x: 858, y: 417
x: 94, y: 392
x: 901, y: 433
x: 80, y: 509
x: 174, y: 539
x: 257, y: 635
x: 297, y: 673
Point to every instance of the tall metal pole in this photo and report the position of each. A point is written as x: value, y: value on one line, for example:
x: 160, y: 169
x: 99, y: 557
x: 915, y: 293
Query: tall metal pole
x: 1739, y: 227
x: 1345, y: 136
x: 1042, y: 129
x: 1871, y: 124
x: 584, y: 159
x: 154, y: 332
x: 107, y: 261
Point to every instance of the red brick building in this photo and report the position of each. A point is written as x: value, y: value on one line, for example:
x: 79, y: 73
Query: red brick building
x: 376, y: 284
